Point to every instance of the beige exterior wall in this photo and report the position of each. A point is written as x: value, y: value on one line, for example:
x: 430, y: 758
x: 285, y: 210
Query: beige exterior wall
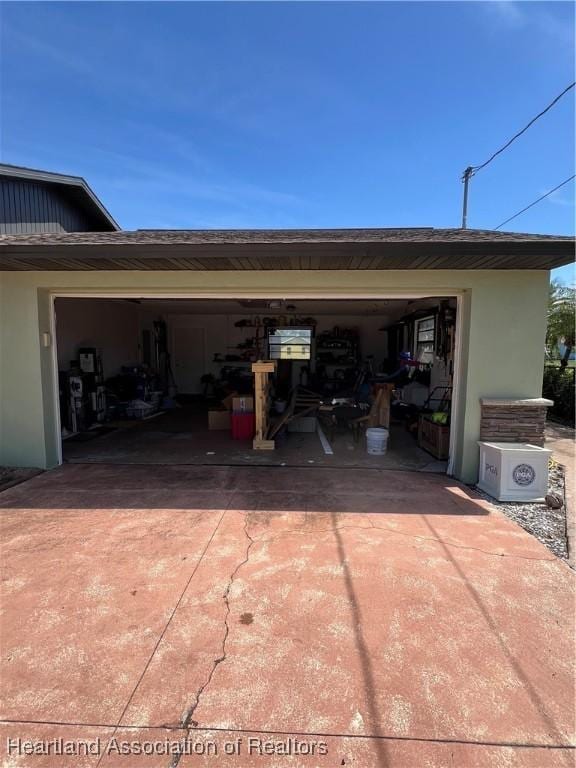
x: 502, y: 321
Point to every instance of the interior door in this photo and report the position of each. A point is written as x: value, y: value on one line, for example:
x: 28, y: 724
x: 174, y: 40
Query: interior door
x: 188, y: 359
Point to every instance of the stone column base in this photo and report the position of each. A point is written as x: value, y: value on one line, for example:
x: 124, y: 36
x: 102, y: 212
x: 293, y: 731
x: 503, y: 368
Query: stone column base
x: 509, y: 420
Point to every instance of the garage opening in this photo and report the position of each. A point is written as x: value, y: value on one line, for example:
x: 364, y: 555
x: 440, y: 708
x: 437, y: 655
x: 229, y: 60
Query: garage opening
x: 292, y: 382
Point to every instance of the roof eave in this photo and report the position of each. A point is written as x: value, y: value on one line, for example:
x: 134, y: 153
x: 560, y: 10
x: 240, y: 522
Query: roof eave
x: 285, y: 256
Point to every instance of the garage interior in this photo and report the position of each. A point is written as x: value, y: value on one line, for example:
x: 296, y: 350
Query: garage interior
x: 177, y: 381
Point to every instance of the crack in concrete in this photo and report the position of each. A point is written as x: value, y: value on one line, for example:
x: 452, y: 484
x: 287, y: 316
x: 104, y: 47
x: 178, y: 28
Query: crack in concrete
x: 371, y: 525
x: 187, y: 722
x: 164, y: 630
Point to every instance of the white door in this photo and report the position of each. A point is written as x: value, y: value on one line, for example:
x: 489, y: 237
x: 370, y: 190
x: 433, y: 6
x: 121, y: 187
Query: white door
x: 188, y: 359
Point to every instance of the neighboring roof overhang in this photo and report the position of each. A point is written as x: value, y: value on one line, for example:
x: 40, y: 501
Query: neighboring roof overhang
x: 73, y: 188
x: 207, y: 250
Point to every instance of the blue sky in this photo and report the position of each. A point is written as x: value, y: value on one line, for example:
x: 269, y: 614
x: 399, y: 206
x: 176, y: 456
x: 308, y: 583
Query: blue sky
x: 295, y: 114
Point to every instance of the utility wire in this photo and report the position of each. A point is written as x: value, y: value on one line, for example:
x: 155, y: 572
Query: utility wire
x: 536, y: 201
x: 475, y: 168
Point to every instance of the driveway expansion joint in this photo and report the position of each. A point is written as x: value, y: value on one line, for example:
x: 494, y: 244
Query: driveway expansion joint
x: 163, y: 632
x: 317, y: 734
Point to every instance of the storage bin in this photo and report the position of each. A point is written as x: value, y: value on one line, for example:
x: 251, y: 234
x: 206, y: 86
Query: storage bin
x: 514, y: 471
x: 303, y: 424
x: 243, y: 404
x: 243, y: 426
x: 139, y: 409
x: 434, y: 438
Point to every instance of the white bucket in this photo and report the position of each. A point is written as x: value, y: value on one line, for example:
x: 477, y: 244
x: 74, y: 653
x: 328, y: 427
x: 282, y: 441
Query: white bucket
x: 376, y: 441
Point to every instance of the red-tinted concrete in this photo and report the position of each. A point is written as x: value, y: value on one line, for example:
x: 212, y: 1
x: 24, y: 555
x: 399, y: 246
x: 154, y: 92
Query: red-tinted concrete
x: 388, y: 615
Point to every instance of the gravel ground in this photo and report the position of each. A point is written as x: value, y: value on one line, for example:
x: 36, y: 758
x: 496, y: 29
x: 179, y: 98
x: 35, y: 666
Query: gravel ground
x: 547, y: 525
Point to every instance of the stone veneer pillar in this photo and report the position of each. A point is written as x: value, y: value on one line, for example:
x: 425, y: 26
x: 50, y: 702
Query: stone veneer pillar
x: 506, y: 420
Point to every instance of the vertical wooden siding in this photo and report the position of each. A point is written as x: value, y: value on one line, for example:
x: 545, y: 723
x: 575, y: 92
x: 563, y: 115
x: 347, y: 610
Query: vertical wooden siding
x: 27, y: 207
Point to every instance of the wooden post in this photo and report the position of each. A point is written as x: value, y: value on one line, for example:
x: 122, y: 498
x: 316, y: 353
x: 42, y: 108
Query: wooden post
x: 261, y: 369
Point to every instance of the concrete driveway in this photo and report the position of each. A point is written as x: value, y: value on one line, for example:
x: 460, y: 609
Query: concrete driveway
x: 383, y: 618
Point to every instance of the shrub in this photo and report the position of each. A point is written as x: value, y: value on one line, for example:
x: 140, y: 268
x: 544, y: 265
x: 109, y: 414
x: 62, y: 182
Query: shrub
x: 559, y: 385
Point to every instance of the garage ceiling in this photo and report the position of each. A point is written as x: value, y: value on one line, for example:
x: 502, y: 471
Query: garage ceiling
x: 340, y: 307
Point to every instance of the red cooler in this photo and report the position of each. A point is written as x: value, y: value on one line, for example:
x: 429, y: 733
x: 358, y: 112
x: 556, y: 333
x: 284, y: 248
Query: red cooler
x: 243, y: 426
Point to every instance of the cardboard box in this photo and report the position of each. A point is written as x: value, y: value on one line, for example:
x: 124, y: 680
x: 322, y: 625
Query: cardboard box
x: 219, y: 420
x: 227, y: 402
x: 243, y: 404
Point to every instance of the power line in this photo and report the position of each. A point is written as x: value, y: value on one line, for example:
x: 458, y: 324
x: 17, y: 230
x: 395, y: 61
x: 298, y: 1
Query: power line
x: 475, y: 168
x: 536, y: 201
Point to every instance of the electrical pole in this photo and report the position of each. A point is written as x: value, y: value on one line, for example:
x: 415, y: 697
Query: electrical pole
x: 473, y: 169
x: 468, y: 173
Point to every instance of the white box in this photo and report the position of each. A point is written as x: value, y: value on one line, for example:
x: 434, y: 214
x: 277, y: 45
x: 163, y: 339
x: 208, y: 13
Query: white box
x: 514, y: 471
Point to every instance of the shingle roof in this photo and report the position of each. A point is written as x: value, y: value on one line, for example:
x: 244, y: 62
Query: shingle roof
x: 274, y: 236
x: 279, y: 249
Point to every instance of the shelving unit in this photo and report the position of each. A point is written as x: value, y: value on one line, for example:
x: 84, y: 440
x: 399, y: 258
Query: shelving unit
x: 339, y: 349
x: 255, y: 352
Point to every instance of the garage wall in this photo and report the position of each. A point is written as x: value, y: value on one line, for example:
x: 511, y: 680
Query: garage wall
x: 222, y: 335
x: 503, y: 330
x: 115, y: 329
x: 111, y: 326
x: 372, y: 341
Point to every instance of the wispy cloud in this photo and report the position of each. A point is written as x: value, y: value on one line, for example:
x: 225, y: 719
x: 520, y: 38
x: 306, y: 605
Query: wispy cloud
x: 178, y: 187
x: 96, y: 67
x: 130, y: 172
x: 42, y: 49
x: 556, y: 28
x: 513, y: 14
x: 558, y: 199
x: 162, y: 165
x: 506, y: 11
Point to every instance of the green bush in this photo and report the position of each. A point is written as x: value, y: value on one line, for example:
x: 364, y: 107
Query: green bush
x: 559, y: 385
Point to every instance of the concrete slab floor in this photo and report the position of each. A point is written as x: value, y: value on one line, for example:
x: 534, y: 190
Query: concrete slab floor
x: 182, y: 437
x: 335, y: 618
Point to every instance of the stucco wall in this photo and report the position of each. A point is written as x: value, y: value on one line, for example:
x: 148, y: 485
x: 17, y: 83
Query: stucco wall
x: 503, y: 328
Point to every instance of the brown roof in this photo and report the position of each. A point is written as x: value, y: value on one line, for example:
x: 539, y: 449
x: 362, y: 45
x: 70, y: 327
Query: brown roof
x: 229, y: 236
x: 414, y: 248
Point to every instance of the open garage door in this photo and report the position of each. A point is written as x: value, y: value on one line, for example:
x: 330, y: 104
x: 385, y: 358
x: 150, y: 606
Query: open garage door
x: 356, y: 382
